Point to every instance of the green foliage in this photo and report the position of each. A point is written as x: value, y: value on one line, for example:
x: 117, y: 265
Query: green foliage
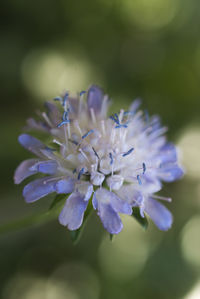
x: 36, y: 219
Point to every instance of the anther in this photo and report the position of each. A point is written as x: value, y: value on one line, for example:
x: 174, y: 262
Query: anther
x: 82, y: 92
x: 128, y: 153
x: 139, y: 180
x: 144, y: 167
x: 80, y: 173
x: 111, y: 158
x: 87, y: 134
x: 95, y: 153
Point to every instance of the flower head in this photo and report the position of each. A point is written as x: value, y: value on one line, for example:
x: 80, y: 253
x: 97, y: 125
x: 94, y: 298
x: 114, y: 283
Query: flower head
x: 117, y: 162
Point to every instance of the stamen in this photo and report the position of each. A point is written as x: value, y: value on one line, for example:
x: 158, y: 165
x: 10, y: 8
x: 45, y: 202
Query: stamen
x: 64, y: 122
x: 84, y: 155
x: 58, y: 142
x: 47, y: 119
x: 65, y: 98
x: 78, y: 127
x: 144, y: 167
x: 162, y: 198
x: 58, y: 99
x: 80, y: 173
x: 82, y: 92
x: 103, y: 127
x: 87, y: 134
x: 111, y: 158
x: 139, y: 180
x: 93, y: 115
x: 128, y: 153
x: 95, y: 153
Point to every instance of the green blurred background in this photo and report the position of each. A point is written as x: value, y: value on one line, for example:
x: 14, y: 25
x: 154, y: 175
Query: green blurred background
x: 145, y: 48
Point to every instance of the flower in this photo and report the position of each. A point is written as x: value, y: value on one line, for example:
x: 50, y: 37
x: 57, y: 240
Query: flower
x: 118, y: 162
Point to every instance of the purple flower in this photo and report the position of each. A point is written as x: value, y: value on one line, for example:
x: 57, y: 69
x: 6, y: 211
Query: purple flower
x: 117, y: 162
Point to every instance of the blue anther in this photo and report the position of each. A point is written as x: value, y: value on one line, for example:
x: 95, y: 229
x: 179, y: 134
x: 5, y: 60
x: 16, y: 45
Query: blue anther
x: 80, y: 173
x: 87, y: 134
x: 144, y: 167
x: 139, y: 180
x: 122, y: 126
x: 64, y: 122
x: 115, y: 118
x: 111, y: 158
x: 65, y: 115
x: 82, y: 92
x: 58, y: 99
x: 128, y: 153
x: 65, y: 98
x: 95, y: 153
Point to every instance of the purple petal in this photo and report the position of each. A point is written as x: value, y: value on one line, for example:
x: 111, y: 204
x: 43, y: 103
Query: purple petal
x: 32, y: 144
x: 73, y: 211
x: 135, y: 105
x: 23, y: 170
x: 170, y: 173
x: 37, y: 125
x: 95, y: 98
x: 160, y: 215
x: 130, y: 195
x: 39, y: 188
x: 168, y: 153
x: 110, y: 219
x: 85, y: 189
x: 65, y: 186
x: 48, y: 167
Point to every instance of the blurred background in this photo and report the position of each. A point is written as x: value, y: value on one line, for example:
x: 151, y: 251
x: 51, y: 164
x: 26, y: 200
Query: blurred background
x: 141, y: 48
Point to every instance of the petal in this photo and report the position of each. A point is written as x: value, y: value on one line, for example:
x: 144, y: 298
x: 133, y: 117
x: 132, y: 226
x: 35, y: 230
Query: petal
x: 130, y: 195
x: 48, y: 167
x: 73, y: 211
x: 32, y: 144
x: 135, y: 105
x: 115, y: 182
x: 65, y: 186
x: 23, y: 170
x: 118, y: 205
x: 160, y: 215
x: 95, y: 98
x: 110, y: 219
x: 37, y: 125
x: 39, y: 188
x: 85, y: 189
x: 168, y: 153
x: 170, y: 173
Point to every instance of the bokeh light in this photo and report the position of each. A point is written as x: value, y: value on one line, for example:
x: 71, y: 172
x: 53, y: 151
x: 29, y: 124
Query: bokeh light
x: 125, y: 257
x: 47, y: 73
x: 194, y: 293
x: 150, y: 14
